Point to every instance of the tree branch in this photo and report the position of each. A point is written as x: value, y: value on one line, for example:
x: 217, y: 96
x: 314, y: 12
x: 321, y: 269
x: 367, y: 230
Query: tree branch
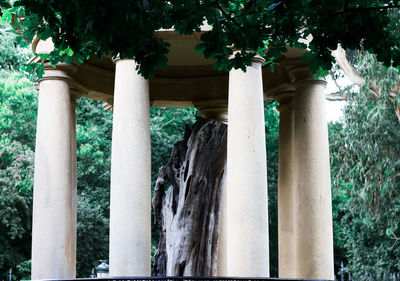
x: 396, y: 109
x: 348, y: 69
x: 336, y: 83
x: 378, y: 8
x: 170, y: 121
x: 229, y: 16
x: 394, y: 237
x: 336, y: 97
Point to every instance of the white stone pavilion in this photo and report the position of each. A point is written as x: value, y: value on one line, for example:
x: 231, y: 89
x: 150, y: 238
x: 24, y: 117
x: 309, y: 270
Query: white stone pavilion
x: 237, y: 97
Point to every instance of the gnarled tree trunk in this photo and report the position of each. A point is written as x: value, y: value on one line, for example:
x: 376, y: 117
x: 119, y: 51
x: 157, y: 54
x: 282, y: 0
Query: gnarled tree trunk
x: 188, y: 212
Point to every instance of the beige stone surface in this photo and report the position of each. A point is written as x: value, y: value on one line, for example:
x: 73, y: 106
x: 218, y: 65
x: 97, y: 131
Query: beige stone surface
x: 54, y: 198
x: 246, y: 189
x: 130, y: 202
x: 314, y: 254
x: 286, y: 188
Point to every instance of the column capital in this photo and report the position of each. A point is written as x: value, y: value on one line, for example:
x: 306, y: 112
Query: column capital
x: 62, y: 71
x: 286, y: 101
x: 285, y: 106
x: 283, y: 94
x: 300, y: 76
x: 213, y: 109
x: 117, y: 58
x: 256, y: 59
x: 307, y: 82
x: 299, y: 70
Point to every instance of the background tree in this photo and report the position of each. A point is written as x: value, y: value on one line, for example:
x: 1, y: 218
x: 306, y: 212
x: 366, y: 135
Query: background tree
x: 14, y: 50
x: 272, y: 146
x: 365, y: 164
x: 16, y: 173
x: 17, y: 127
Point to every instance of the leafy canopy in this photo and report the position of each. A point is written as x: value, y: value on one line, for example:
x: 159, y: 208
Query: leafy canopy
x: 84, y: 28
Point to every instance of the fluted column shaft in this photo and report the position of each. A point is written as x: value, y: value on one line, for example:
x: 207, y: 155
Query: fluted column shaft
x: 286, y: 188
x: 314, y: 254
x: 54, y: 196
x: 246, y: 190
x: 130, y: 209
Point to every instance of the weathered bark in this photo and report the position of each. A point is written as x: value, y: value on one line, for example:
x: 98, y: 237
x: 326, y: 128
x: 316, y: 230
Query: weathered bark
x: 348, y: 69
x: 188, y: 213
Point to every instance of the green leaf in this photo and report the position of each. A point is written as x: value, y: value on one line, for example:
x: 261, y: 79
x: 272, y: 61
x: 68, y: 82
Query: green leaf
x: 200, y: 48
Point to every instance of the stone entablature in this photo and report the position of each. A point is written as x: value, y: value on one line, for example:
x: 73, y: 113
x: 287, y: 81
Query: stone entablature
x: 189, y: 78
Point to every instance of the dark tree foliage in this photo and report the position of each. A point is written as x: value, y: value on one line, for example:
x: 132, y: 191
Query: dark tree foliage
x: 84, y: 28
x: 272, y: 145
x: 93, y: 126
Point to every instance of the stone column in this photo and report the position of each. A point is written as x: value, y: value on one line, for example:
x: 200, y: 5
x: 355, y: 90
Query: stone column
x: 54, y: 195
x: 286, y: 187
x: 74, y: 168
x: 314, y: 253
x: 246, y: 190
x: 130, y: 202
